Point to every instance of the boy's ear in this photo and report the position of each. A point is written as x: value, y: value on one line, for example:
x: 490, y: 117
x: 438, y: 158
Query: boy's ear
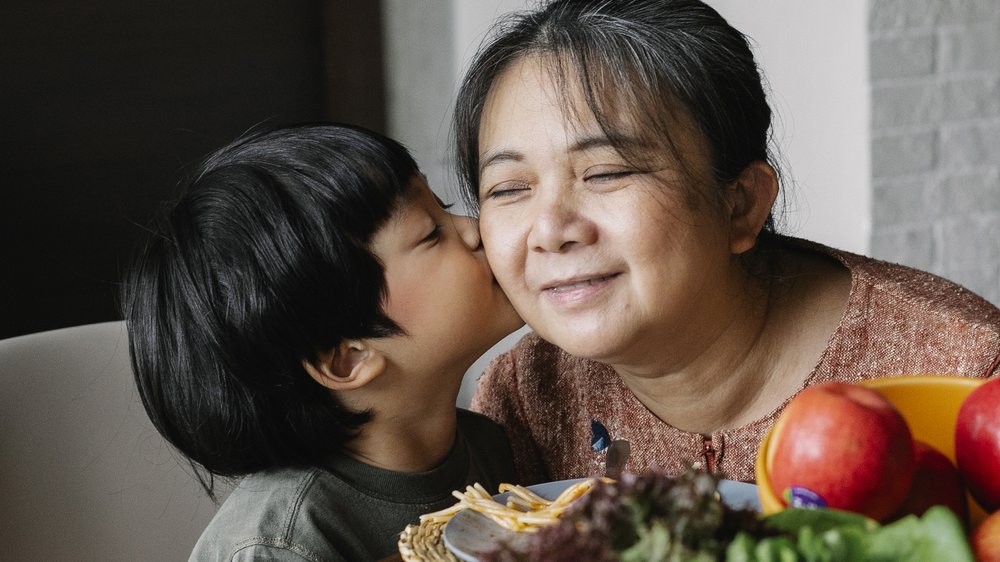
x: 751, y: 197
x: 348, y: 366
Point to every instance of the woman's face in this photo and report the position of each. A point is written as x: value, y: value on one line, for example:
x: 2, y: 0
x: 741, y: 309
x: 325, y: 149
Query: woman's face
x: 609, y: 258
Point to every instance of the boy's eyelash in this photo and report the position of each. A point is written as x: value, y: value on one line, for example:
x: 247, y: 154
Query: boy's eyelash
x: 434, y: 234
x: 442, y: 204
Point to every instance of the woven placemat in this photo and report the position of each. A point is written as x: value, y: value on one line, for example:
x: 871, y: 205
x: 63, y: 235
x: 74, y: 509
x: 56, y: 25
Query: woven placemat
x: 424, y: 543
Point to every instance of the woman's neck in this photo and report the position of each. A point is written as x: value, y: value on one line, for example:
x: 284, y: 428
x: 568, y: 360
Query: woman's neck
x: 754, y: 360
x: 714, y: 393
x: 707, y: 380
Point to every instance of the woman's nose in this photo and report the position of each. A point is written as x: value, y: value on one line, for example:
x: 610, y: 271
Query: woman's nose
x: 468, y: 231
x: 558, y: 225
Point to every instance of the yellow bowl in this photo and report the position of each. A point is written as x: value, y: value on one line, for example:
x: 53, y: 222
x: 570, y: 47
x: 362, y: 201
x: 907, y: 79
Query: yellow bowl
x: 929, y: 403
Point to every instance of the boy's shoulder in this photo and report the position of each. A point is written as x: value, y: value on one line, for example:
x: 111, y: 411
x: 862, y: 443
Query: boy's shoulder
x: 310, y: 513
x: 474, y: 423
x: 490, y: 458
x: 266, y: 515
x: 482, y: 435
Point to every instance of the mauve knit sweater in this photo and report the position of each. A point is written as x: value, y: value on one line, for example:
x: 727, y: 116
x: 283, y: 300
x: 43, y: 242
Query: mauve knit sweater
x: 898, y: 321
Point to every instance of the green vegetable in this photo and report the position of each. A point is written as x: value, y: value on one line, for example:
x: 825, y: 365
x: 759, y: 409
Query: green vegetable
x: 820, y: 520
x: 653, y: 544
x: 826, y: 535
x: 938, y: 535
x: 660, y: 518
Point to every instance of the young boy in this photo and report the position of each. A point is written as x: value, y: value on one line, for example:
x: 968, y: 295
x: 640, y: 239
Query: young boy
x: 303, y: 320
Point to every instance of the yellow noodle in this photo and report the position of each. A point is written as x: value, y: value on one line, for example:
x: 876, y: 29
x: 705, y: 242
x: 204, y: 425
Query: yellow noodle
x: 525, y: 511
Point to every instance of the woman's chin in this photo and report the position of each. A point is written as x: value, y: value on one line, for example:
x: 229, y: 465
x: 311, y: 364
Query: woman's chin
x: 596, y: 345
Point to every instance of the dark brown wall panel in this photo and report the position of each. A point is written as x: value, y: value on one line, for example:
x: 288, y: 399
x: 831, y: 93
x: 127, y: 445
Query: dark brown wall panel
x: 105, y: 103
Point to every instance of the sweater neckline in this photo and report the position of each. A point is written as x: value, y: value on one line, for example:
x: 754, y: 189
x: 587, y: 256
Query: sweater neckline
x: 405, y: 487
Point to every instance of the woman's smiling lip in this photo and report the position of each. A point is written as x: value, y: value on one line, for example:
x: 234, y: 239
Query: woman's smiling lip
x: 577, y: 288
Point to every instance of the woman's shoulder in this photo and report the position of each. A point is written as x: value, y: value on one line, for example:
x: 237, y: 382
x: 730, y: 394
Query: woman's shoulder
x: 534, y: 370
x: 532, y: 356
x: 902, y: 320
x: 534, y: 367
x: 910, y: 289
x: 531, y: 347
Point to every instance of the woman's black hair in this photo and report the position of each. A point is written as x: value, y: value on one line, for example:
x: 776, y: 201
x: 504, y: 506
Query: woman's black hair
x: 262, y: 263
x: 660, y: 62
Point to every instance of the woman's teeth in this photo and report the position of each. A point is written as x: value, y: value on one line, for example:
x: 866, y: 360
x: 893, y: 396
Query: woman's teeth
x: 577, y: 285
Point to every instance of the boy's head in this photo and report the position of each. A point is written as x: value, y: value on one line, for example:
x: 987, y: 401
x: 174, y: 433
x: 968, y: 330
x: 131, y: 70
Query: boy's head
x: 441, y: 293
x: 264, y: 262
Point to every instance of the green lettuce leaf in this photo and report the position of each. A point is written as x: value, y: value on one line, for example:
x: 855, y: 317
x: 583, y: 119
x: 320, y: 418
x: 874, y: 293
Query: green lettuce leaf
x: 825, y: 535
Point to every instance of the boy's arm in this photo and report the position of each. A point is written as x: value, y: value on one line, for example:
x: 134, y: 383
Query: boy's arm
x: 257, y: 552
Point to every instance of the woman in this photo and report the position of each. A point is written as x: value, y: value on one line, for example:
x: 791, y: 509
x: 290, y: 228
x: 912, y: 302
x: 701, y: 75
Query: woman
x: 617, y: 152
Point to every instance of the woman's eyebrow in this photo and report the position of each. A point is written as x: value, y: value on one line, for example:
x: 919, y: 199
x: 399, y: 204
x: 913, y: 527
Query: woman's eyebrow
x: 584, y: 144
x: 499, y: 156
x: 590, y: 143
x: 615, y: 142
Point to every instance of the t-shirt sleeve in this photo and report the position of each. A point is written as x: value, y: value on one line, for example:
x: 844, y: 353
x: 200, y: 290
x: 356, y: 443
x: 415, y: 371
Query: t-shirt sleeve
x: 260, y: 552
x: 497, y: 397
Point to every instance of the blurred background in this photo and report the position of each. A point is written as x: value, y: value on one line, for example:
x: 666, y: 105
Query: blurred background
x: 888, y: 119
x: 106, y: 104
x: 887, y: 123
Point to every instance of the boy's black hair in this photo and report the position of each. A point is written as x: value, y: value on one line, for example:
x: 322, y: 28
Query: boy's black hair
x: 262, y: 263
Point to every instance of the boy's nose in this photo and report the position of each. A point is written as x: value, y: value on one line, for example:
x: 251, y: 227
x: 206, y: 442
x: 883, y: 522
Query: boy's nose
x: 468, y: 230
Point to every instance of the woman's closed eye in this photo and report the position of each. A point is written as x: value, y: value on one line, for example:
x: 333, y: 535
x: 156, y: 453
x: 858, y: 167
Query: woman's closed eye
x: 506, y: 190
x: 607, y: 175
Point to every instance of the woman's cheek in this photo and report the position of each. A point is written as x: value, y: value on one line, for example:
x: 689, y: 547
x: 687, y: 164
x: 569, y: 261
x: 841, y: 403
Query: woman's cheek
x: 502, y: 258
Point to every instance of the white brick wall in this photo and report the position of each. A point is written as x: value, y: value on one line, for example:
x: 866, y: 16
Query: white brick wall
x: 935, y: 77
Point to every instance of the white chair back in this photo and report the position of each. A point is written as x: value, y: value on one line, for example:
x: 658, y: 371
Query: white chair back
x: 83, y: 474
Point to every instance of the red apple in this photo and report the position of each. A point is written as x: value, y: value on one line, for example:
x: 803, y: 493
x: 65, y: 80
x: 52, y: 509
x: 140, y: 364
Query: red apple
x: 985, y: 539
x: 935, y: 482
x: 977, y: 443
x: 844, y: 445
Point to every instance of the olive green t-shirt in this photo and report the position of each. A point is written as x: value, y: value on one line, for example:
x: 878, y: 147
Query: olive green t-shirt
x: 348, y: 510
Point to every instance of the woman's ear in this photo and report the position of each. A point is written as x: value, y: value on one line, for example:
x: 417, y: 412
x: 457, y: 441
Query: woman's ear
x: 751, y: 197
x: 349, y: 366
